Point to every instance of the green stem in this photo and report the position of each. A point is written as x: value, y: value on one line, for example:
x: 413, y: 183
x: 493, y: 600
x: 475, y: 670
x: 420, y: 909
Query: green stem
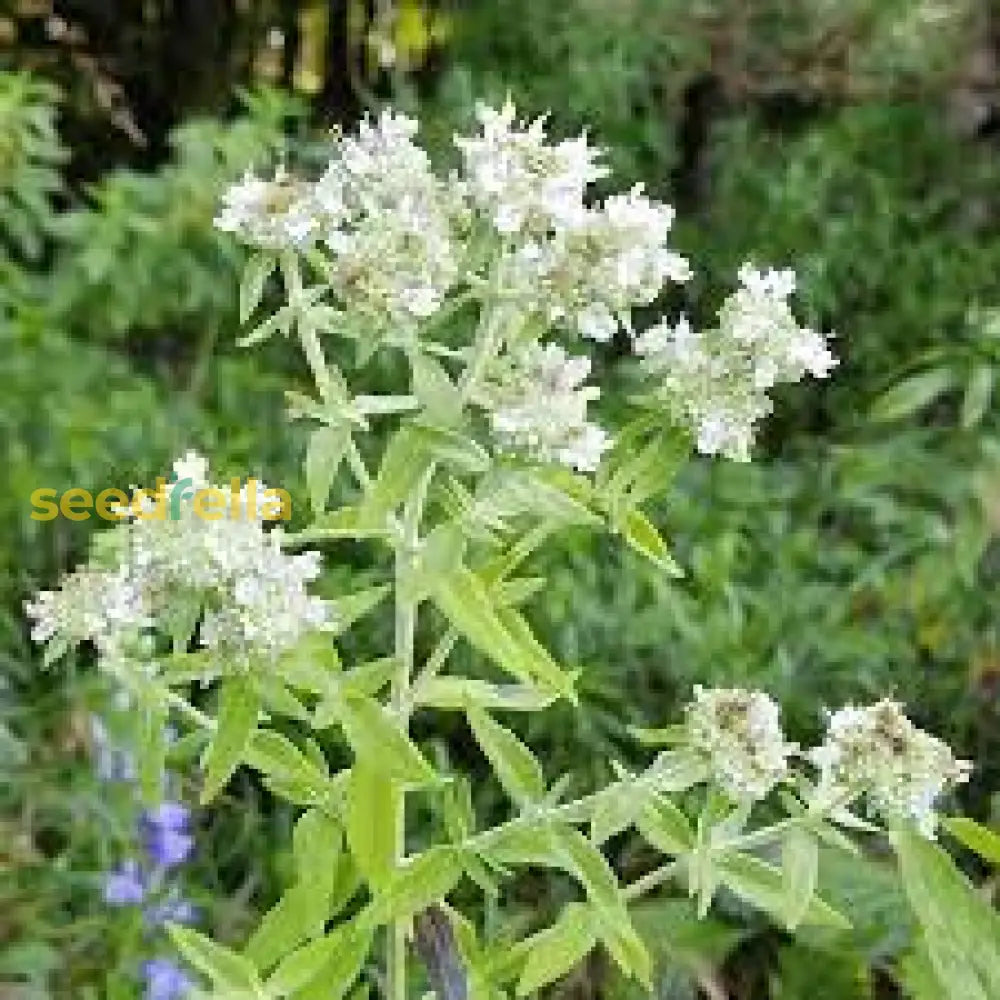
x: 406, y: 627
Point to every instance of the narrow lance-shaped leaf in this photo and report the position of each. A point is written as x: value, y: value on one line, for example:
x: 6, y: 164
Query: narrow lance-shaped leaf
x: 324, y: 453
x: 642, y: 536
x: 969, y: 833
x: 799, y: 873
x: 258, y: 269
x: 371, y: 819
x: 552, y: 953
x: 961, y: 930
x: 512, y: 762
x: 326, y: 967
x: 374, y: 734
x: 238, y: 704
x: 227, y: 970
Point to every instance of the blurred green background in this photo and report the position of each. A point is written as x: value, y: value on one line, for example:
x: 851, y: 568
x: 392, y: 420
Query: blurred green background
x: 855, y: 140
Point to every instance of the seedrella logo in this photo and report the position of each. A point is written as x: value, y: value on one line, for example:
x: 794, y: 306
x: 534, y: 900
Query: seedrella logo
x: 253, y: 502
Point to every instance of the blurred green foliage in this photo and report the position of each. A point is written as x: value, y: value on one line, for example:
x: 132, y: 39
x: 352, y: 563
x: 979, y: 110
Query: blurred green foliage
x: 857, y: 557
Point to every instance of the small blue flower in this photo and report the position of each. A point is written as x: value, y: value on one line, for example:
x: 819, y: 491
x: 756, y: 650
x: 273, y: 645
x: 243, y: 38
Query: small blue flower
x: 169, y: 816
x: 124, y: 886
x: 166, y: 836
x: 168, y: 847
x: 164, y: 980
x: 172, y: 910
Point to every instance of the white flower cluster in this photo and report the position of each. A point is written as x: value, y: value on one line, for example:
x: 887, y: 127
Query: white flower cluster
x: 397, y: 240
x: 716, y: 381
x: 398, y: 235
x: 252, y: 596
x: 389, y: 223
x: 380, y: 210
x: 589, y: 274
x: 582, y: 267
x: 739, y: 734
x: 526, y: 185
x: 538, y: 403
x: 274, y: 215
x: 877, y: 753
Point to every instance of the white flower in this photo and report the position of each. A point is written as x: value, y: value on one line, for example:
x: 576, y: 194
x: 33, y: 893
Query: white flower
x: 598, y: 265
x: 92, y: 604
x: 523, y: 182
x: 538, y: 402
x: 739, y: 733
x: 253, y: 595
x: 276, y: 215
x: 715, y: 382
x: 878, y: 754
x: 388, y: 222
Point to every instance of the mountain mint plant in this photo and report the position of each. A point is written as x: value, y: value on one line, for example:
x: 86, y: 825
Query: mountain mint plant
x: 483, y: 282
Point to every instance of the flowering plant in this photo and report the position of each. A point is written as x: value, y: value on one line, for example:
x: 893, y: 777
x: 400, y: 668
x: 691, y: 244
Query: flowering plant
x: 494, y: 449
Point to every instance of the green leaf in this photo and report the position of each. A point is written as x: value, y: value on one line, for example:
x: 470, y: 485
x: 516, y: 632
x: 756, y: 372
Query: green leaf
x: 590, y: 867
x: 238, y: 705
x: 548, y: 674
x: 461, y: 692
x: 331, y: 963
x: 441, y: 400
x: 302, y: 912
x: 641, y: 535
x: 421, y: 881
x: 977, y: 396
x: 151, y: 746
x: 799, y: 873
x: 346, y: 610
x: 403, y: 464
x: 555, y: 951
x: 977, y: 838
x: 512, y: 493
x: 324, y: 453
x: 664, y: 826
x: 371, y: 819
x: 644, y: 462
x: 347, y: 522
x: 763, y: 886
x: 289, y: 772
x: 912, y: 394
x: 226, y: 969
x: 280, y: 322
x: 961, y: 930
x: 258, y: 269
x: 374, y: 734
x: 513, y: 763
x: 450, y: 447
x: 615, y: 810
x: 500, y: 634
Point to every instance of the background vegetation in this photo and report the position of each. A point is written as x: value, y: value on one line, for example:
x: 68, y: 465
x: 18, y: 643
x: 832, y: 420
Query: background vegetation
x: 856, y: 140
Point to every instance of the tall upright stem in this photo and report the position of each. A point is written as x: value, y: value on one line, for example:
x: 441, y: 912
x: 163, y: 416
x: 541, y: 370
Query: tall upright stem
x: 406, y: 626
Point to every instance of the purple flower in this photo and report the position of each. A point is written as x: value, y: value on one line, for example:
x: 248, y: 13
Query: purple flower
x: 168, y: 847
x: 166, y: 833
x: 169, y: 815
x: 124, y: 886
x: 164, y: 980
x: 172, y: 910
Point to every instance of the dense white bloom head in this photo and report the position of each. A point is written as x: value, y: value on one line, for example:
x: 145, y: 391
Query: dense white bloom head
x: 739, y: 733
x: 538, y: 401
x: 878, y: 754
x: 229, y: 570
x: 716, y: 381
x: 276, y: 215
x: 389, y: 223
x: 589, y: 275
x: 91, y: 605
x: 523, y: 182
